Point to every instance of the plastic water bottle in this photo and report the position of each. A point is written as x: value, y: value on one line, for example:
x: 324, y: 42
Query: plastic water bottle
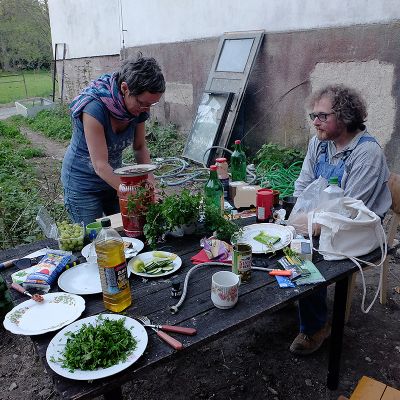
x: 333, y: 191
x: 238, y: 163
x: 112, y: 267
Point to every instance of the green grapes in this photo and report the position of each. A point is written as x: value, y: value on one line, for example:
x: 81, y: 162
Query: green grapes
x: 70, y: 236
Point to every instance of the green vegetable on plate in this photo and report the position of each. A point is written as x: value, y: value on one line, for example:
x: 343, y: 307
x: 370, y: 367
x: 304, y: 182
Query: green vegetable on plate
x: 101, y: 346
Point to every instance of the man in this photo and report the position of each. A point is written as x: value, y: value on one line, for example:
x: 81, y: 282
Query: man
x: 342, y: 148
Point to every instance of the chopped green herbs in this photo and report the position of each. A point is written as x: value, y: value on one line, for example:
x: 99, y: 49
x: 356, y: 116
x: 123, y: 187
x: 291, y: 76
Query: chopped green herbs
x: 264, y: 238
x: 101, y: 346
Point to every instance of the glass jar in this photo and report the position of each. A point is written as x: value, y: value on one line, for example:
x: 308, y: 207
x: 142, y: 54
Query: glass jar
x: 135, y: 193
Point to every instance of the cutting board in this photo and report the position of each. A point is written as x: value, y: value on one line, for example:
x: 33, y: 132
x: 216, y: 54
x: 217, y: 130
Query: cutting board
x: 116, y: 221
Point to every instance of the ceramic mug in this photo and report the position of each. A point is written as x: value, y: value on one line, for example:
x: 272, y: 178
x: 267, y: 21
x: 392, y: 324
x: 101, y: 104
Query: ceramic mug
x: 225, y: 289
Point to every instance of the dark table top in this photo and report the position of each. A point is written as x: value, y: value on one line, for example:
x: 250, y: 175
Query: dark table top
x: 153, y: 298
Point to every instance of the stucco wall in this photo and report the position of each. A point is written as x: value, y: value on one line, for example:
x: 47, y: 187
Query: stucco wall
x: 289, y: 66
x: 99, y: 27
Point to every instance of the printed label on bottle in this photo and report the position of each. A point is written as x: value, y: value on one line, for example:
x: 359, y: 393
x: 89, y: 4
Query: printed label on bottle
x: 114, y: 279
x: 261, y: 213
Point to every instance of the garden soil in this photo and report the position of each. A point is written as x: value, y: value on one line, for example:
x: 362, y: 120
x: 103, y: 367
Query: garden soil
x: 251, y: 363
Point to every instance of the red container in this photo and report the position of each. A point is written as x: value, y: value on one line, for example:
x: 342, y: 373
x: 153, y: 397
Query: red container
x: 135, y: 194
x: 264, y: 204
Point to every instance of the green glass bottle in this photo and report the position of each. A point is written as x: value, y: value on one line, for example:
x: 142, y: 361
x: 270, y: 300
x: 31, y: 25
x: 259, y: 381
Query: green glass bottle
x: 238, y: 163
x: 213, y: 190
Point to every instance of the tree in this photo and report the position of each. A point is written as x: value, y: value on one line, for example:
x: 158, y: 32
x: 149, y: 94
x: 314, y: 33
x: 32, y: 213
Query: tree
x: 25, y: 39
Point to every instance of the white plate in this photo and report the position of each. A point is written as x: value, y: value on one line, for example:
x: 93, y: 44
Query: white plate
x: 33, y: 318
x: 82, y: 279
x: 250, y: 231
x: 57, y: 345
x: 146, y: 257
x: 137, y: 245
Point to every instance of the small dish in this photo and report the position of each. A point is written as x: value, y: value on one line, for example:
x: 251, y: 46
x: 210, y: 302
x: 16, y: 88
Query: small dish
x: 149, y: 256
x: 82, y: 279
x: 54, y: 312
x: 136, y: 247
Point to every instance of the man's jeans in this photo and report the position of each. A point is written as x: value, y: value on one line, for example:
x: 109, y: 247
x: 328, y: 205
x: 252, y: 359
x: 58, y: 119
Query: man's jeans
x: 313, y: 312
x: 87, y: 206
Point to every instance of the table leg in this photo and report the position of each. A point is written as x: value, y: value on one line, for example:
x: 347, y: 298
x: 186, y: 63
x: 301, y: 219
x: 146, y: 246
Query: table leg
x: 335, y: 350
x: 114, y: 394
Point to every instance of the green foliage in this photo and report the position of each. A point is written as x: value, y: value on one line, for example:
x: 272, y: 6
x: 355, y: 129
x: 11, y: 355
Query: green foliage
x: 38, y: 84
x: 20, y: 190
x: 25, y: 35
x: 139, y: 200
x: 162, y: 141
x: 30, y: 152
x: 271, y: 153
x: 55, y: 123
x: 220, y: 225
x: 154, y: 227
x: 97, y: 346
x: 170, y: 212
x: 179, y: 209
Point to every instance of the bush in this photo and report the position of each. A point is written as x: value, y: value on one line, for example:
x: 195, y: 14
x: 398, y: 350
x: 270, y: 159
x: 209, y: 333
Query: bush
x: 55, y: 123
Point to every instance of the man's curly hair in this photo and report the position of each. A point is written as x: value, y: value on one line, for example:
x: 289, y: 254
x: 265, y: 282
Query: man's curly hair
x: 347, y: 104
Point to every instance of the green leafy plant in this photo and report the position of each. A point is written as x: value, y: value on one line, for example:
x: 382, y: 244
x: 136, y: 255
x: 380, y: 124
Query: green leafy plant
x: 271, y: 153
x: 179, y: 209
x: 55, y: 123
x: 162, y: 141
x: 221, y: 225
x: 97, y: 346
x: 139, y: 201
x: 155, y: 226
x: 21, y: 192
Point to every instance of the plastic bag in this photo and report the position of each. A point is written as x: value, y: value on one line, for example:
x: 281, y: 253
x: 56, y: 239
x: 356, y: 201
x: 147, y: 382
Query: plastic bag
x: 309, y: 200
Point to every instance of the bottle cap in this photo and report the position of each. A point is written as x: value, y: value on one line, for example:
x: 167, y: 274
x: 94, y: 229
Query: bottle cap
x: 176, y: 284
x: 213, y: 168
x: 334, y: 180
x: 105, y: 223
x: 220, y: 160
x: 237, y: 141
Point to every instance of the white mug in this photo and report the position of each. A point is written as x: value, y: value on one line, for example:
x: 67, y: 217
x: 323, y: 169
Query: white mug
x: 225, y: 289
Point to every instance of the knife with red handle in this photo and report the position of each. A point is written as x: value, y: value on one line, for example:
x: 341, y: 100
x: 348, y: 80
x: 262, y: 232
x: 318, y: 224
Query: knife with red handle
x: 177, y: 345
x: 176, y: 329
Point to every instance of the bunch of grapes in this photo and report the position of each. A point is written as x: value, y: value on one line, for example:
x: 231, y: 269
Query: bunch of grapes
x: 70, y: 236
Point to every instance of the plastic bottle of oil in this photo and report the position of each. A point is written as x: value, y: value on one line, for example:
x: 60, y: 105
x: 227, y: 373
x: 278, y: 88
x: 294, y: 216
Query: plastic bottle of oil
x: 112, y: 267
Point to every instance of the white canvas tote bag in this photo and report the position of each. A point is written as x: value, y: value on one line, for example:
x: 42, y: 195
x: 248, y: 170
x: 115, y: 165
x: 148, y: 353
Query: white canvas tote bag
x: 349, y: 230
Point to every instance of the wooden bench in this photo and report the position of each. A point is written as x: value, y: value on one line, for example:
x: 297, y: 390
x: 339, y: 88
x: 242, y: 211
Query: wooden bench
x: 370, y: 389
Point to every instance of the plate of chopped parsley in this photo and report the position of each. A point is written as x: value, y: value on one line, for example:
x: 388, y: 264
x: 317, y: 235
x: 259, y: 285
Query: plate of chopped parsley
x: 87, y: 349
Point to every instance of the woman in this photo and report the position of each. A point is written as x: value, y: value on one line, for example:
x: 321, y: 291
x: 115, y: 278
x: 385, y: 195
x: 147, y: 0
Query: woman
x: 107, y: 117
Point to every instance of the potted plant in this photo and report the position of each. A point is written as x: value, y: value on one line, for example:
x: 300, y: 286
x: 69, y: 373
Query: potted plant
x: 181, y: 212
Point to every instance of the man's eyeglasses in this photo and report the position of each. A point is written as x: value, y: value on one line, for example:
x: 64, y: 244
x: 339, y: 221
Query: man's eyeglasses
x: 321, y: 116
x: 143, y: 105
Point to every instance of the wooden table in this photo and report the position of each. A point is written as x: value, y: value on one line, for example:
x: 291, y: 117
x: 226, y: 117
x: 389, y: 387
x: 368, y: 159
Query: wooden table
x: 260, y: 296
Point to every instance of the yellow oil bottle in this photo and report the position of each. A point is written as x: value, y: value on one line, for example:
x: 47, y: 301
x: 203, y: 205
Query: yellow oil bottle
x: 112, y: 267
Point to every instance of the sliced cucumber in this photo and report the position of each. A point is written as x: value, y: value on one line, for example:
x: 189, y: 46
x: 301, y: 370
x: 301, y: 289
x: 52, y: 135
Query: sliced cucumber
x: 155, y: 271
x: 168, y: 268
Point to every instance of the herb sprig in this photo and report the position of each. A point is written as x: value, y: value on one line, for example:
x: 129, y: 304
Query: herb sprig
x: 101, y: 346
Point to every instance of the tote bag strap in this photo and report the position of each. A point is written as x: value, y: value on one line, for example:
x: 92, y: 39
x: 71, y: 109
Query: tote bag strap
x: 380, y: 233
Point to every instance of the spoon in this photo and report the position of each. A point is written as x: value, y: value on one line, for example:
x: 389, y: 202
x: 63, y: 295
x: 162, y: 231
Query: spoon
x: 36, y: 297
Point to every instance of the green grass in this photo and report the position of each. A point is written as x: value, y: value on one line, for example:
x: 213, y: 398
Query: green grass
x: 19, y: 189
x: 38, y: 84
x: 55, y: 123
